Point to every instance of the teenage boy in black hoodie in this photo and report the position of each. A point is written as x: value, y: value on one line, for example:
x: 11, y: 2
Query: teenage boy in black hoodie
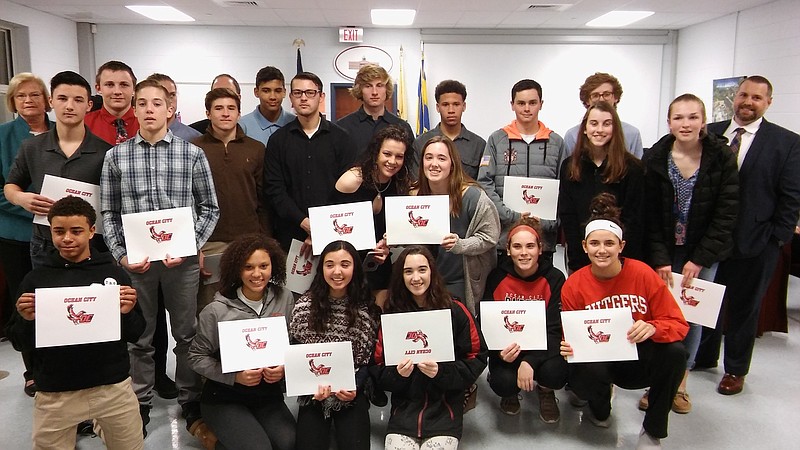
x: 87, y: 380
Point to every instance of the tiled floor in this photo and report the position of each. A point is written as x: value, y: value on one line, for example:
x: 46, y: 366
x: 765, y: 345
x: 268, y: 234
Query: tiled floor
x: 765, y: 415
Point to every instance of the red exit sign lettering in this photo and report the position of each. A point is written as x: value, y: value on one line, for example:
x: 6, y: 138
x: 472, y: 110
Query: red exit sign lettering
x: 350, y: 34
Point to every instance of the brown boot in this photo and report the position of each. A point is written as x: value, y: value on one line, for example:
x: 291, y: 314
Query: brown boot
x: 201, y: 431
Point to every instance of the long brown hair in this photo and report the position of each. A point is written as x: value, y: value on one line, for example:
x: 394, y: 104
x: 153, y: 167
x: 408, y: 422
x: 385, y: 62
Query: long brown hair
x: 457, y: 180
x: 358, y: 293
x: 618, y: 157
x: 400, y: 298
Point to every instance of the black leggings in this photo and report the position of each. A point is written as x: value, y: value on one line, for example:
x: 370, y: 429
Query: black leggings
x: 267, y: 426
x: 549, y: 372
x: 352, y: 426
x: 660, y: 366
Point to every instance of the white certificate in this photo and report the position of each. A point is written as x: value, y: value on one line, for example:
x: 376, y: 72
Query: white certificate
x: 421, y: 336
x: 700, y: 302
x: 77, y: 315
x: 598, y: 335
x: 310, y: 365
x: 155, y: 234
x: 300, y: 271
x: 57, y: 188
x: 538, y: 196
x: 507, y: 322
x: 252, y: 343
x: 351, y: 222
x: 417, y: 219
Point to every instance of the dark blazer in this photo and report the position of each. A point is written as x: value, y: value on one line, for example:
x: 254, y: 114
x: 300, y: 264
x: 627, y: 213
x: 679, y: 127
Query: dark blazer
x: 769, y: 189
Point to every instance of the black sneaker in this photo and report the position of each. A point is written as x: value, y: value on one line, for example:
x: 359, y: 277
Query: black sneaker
x: 86, y: 428
x: 30, y: 388
x: 144, y: 411
x: 190, y: 413
x: 165, y: 387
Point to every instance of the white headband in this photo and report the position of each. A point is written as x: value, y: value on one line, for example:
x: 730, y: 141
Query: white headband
x: 602, y: 224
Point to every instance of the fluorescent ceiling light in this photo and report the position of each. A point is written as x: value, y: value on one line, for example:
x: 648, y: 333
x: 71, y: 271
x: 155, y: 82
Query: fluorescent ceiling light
x: 160, y: 13
x: 618, y: 18
x: 395, y: 17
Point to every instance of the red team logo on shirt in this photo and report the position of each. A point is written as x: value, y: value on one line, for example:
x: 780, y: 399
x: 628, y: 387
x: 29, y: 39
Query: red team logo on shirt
x: 258, y: 344
x: 688, y: 299
x: 510, y: 156
x: 161, y: 236
x: 319, y: 370
x: 513, y: 327
x: 599, y: 336
x: 529, y: 199
x: 344, y: 229
x: 79, y: 317
x: 417, y: 336
x: 417, y: 221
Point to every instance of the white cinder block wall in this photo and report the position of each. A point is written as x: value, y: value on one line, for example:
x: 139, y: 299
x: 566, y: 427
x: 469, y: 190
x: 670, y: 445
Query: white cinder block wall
x: 54, y: 44
x: 759, y: 41
x: 194, y: 55
x: 763, y: 40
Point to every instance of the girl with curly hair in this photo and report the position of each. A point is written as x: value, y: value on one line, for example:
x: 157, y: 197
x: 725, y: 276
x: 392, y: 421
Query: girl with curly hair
x: 382, y: 172
x: 245, y: 409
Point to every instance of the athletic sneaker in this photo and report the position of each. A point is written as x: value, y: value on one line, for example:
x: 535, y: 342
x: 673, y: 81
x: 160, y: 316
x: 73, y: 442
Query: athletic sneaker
x: 604, y: 423
x: 548, y: 405
x: 576, y: 401
x: 647, y: 442
x: 510, y: 405
x: 682, y: 404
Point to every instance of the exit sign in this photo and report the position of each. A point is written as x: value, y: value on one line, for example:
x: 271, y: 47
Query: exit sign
x: 349, y: 34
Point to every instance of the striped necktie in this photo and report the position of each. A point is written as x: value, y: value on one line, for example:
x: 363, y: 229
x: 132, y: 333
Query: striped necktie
x: 736, y: 142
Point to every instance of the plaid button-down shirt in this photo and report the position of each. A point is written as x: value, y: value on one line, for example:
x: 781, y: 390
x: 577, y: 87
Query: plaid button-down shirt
x: 139, y: 177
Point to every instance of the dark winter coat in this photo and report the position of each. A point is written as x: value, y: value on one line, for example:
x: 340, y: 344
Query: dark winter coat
x: 712, y: 213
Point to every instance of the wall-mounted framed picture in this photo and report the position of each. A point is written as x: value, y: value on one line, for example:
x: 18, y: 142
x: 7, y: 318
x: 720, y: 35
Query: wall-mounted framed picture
x: 723, y: 93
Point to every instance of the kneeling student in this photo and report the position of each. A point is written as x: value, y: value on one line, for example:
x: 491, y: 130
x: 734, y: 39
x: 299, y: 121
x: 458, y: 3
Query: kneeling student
x: 87, y: 380
x: 658, y: 329
x: 523, y: 275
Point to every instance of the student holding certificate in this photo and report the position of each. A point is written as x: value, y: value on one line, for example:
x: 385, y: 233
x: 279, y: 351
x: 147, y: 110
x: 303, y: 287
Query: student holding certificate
x: 600, y: 163
x: 523, y: 275
x: 244, y: 409
x: 468, y: 253
x: 337, y: 308
x: 659, y: 327
x: 382, y: 172
x: 692, y: 188
x: 84, y: 380
x: 428, y: 399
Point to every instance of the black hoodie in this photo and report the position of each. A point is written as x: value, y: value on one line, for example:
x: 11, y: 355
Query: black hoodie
x: 75, y: 367
x: 545, y: 285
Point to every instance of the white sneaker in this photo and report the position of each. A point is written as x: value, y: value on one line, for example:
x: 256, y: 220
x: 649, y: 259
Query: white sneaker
x: 605, y: 423
x: 647, y: 442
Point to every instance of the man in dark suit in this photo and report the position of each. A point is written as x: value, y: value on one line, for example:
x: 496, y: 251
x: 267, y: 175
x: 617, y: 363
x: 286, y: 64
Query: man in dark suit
x: 769, y: 201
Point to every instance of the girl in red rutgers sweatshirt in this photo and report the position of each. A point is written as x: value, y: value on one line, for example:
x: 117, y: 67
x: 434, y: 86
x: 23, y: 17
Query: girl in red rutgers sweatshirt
x: 659, y: 327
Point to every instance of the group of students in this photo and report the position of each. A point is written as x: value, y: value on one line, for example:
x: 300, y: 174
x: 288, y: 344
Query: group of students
x: 677, y: 209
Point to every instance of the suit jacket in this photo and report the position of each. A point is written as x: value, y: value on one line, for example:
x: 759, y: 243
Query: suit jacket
x: 769, y: 189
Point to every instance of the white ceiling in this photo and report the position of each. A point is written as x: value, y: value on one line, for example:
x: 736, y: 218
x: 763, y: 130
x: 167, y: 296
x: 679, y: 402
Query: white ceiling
x: 669, y: 14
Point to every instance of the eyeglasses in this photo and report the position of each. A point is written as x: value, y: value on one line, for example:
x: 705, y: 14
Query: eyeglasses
x: 310, y: 93
x: 32, y: 96
x: 607, y: 95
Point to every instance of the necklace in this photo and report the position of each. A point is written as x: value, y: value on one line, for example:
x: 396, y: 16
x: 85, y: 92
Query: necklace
x: 377, y: 202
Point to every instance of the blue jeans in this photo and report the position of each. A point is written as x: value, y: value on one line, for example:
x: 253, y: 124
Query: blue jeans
x: 692, y: 339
